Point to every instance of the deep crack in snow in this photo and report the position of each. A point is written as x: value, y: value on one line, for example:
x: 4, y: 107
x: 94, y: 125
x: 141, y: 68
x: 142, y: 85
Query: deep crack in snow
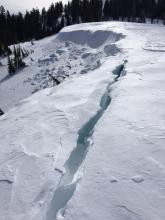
x: 68, y: 182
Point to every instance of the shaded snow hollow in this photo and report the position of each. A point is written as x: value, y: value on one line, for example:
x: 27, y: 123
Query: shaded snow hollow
x: 93, y: 146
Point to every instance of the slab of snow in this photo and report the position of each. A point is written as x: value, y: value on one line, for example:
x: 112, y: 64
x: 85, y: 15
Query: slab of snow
x: 93, y: 146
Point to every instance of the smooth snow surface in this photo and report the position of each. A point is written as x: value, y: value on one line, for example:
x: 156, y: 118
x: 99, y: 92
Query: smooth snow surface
x: 93, y: 146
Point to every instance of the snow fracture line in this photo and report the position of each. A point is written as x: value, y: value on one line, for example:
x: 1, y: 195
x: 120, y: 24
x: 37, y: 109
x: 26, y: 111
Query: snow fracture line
x: 69, y: 180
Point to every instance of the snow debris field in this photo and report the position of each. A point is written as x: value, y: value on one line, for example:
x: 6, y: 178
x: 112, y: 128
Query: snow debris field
x: 92, y: 147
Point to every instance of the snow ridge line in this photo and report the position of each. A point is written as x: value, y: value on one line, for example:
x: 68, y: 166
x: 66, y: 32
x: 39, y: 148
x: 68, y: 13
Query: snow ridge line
x: 69, y: 180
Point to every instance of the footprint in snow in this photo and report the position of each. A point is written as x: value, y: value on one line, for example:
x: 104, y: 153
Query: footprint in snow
x: 113, y: 179
x: 137, y: 179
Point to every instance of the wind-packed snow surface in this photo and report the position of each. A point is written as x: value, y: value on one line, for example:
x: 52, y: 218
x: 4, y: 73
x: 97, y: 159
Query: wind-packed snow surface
x: 93, y: 146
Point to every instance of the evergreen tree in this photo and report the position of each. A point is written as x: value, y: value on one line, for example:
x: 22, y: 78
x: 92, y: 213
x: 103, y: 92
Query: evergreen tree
x: 96, y: 10
x: 67, y: 12
x: 75, y: 11
x: 11, y: 66
x: 85, y: 12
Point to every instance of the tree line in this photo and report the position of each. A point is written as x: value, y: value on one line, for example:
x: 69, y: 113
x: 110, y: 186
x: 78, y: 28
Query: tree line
x: 134, y: 10
x: 35, y: 24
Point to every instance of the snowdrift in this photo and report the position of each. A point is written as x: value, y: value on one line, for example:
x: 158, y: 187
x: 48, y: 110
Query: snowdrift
x: 93, y: 146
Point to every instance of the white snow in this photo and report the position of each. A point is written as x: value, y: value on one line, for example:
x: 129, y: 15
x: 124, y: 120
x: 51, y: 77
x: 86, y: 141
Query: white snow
x: 93, y: 146
x: 58, y: 57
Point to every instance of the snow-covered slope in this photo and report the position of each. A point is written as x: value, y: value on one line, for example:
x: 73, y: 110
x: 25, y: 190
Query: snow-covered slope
x: 93, y: 146
x: 58, y: 56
